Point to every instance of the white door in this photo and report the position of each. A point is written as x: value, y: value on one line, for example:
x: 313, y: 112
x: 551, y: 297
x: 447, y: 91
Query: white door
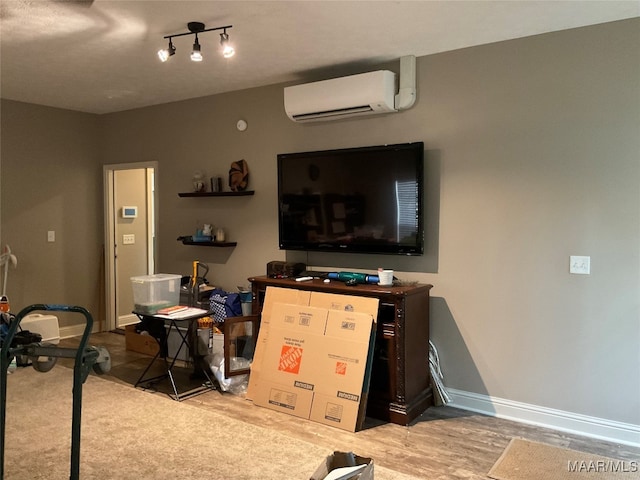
x: 130, y: 238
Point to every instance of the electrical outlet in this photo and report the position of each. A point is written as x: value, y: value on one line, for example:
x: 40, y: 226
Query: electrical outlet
x: 128, y: 239
x: 580, y: 265
x: 51, y: 236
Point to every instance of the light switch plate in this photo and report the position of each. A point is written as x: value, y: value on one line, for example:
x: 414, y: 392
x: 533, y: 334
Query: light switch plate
x: 128, y: 239
x: 580, y: 265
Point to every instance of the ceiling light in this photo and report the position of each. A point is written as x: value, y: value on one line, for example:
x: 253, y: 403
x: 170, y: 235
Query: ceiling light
x: 227, y: 50
x: 167, y: 52
x: 196, y: 56
x: 196, y: 28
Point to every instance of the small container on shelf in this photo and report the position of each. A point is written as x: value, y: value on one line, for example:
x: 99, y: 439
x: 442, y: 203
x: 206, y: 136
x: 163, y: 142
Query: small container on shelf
x: 201, y: 238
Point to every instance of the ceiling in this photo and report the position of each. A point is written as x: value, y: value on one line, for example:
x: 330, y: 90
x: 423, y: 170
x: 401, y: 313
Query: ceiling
x: 99, y: 56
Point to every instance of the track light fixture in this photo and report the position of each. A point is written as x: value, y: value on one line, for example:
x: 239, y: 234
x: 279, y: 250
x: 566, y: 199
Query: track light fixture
x: 196, y: 56
x: 227, y: 50
x: 196, y: 28
x: 166, y: 53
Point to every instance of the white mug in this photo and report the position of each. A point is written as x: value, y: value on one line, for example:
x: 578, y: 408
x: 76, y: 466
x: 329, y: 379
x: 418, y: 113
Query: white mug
x: 385, y: 277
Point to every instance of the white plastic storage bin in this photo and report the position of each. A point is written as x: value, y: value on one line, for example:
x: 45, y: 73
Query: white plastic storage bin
x: 45, y: 325
x: 173, y: 343
x: 217, y: 344
x: 153, y: 292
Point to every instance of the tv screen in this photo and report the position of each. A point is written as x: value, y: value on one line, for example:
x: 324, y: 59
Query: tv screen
x: 363, y: 200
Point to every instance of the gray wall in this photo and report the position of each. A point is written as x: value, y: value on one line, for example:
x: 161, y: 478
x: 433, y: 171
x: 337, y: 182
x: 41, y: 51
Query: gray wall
x: 52, y: 180
x: 532, y: 156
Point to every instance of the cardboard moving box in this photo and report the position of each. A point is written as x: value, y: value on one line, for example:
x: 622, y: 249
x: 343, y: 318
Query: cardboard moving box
x: 315, y: 362
x: 344, y: 460
x: 140, y: 343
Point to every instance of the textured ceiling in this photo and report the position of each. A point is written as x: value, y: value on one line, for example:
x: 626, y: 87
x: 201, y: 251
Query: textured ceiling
x: 100, y: 56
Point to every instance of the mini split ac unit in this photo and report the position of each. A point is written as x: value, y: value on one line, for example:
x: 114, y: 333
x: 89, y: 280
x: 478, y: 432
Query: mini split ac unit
x: 366, y: 93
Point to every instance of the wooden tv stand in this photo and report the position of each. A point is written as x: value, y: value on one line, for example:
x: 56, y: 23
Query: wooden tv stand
x: 400, y: 387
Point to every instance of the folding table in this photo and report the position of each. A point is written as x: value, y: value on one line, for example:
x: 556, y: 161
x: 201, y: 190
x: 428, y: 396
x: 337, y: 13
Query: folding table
x: 177, y: 322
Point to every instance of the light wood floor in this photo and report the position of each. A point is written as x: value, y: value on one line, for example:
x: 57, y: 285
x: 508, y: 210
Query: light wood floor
x: 443, y: 443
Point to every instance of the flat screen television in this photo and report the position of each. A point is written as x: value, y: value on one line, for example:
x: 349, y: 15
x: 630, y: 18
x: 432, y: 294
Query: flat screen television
x: 361, y: 200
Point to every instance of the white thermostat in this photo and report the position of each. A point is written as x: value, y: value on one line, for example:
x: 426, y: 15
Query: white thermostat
x: 129, y: 212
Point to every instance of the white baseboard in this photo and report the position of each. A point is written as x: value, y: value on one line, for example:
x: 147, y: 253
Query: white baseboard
x: 129, y: 319
x: 612, y: 431
x: 75, y: 330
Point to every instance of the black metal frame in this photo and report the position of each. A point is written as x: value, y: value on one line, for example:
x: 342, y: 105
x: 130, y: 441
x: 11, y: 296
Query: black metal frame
x: 85, y: 358
x: 169, y: 364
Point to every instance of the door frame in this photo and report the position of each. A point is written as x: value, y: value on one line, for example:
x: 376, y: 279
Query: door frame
x: 110, y: 212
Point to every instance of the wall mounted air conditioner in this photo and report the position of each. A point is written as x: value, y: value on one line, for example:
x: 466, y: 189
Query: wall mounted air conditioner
x: 363, y: 94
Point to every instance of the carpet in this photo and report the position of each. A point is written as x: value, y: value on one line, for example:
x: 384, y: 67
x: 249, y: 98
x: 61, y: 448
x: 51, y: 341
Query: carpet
x: 129, y: 433
x: 526, y: 460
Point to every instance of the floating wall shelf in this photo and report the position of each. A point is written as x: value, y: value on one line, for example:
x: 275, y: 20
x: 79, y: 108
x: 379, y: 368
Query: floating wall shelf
x: 217, y: 194
x: 188, y: 240
x: 209, y: 244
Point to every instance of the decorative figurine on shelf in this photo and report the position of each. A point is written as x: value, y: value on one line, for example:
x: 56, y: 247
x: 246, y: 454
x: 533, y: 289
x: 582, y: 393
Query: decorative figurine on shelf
x: 238, y: 176
x: 207, y: 230
x: 198, y: 182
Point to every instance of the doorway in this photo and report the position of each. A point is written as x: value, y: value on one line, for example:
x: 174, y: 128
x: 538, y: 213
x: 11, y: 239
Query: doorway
x: 130, y: 235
